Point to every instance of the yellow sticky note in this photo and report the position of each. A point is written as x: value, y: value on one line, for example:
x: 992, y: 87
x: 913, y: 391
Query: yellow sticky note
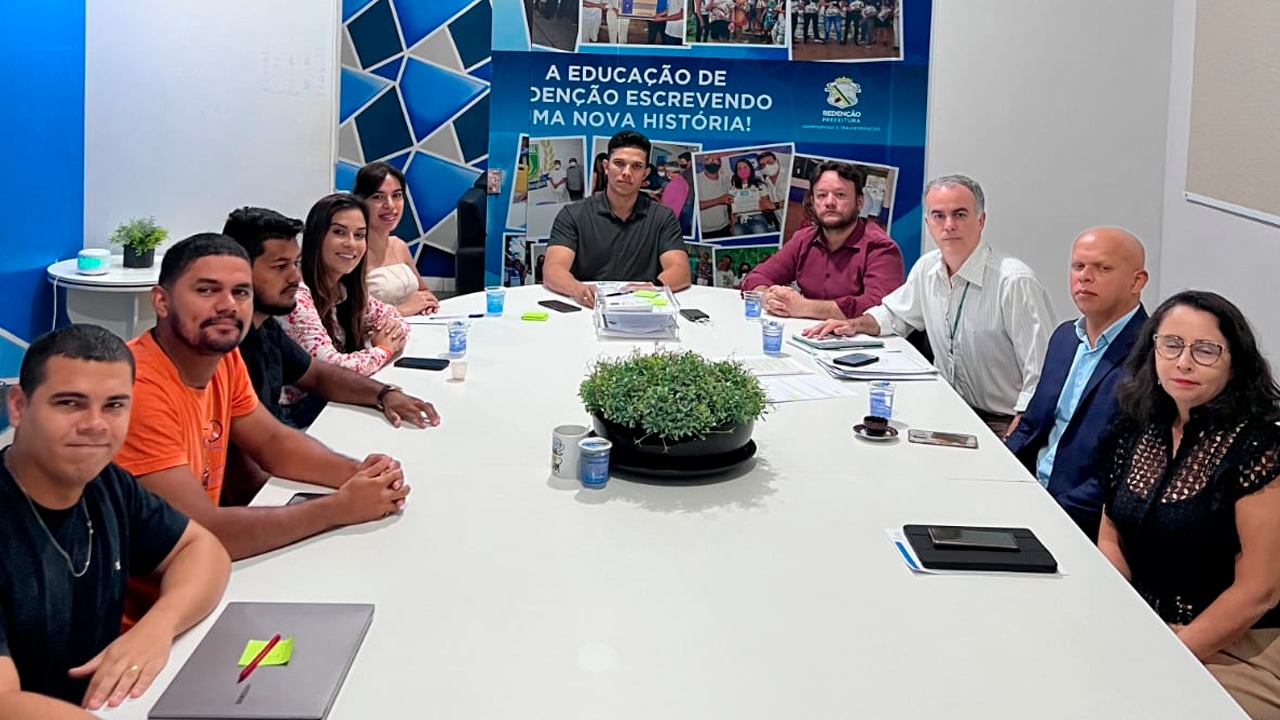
x: 534, y: 315
x: 645, y: 294
x: 658, y: 301
x: 279, y: 654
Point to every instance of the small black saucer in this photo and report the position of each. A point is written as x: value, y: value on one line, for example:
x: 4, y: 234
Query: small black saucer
x: 680, y: 468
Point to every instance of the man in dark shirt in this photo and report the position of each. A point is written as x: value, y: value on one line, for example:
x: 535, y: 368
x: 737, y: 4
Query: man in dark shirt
x: 74, y: 528
x: 618, y: 234
x: 274, y: 360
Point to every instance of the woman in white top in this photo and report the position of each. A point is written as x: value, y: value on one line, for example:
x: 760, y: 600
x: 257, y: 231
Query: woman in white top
x: 392, y: 274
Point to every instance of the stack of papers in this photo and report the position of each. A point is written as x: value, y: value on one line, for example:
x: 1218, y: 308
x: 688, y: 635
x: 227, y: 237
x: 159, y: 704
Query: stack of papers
x: 785, y: 380
x: 892, y: 365
x: 839, y: 342
x: 765, y: 366
x: 649, y: 314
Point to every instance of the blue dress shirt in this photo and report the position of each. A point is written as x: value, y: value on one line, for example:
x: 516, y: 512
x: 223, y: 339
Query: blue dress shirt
x: 1082, y: 367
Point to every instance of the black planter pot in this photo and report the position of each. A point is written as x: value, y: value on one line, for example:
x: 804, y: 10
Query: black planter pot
x: 139, y: 260
x: 631, y: 442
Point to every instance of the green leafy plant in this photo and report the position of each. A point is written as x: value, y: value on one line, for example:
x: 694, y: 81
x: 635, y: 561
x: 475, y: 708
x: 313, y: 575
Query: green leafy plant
x: 141, y: 234
x: 673, y: 395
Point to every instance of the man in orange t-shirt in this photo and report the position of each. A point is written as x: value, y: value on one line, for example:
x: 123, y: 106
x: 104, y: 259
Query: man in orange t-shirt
x: 200, y: 416
x: 193, y: 395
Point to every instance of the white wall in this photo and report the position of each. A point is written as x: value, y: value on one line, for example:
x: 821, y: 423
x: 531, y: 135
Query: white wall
x: 197, y: 107
x: 1059, y: 109
x: 1208, y: 249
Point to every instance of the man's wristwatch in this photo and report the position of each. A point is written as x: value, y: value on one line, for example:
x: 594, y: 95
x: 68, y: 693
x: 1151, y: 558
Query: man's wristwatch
x: 383, y: 393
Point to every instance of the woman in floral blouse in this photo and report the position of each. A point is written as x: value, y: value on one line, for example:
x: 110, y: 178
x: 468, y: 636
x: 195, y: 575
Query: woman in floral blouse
x: 336, y: 320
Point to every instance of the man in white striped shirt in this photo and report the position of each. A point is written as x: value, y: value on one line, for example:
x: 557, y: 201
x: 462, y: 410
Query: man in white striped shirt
x: 987, y: 316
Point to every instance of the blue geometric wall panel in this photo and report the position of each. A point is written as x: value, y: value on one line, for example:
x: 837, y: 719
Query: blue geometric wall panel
x: 356, y: 90
x: 391, y: 70
x: 420, y: 18
x: 483, y: 72
x: 344, y: 175
x: 472, y: 128
x: 417, y: 97
x: 351, y: 7
x: 398, y: 162
x: 432, y: 95
x: 476, y: 21
x: 375, y: 35
x: 436, y: 186
x: 382, y: 128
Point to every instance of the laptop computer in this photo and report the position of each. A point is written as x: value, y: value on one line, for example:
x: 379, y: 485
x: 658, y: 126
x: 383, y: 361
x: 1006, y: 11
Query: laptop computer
x: 326, y: 638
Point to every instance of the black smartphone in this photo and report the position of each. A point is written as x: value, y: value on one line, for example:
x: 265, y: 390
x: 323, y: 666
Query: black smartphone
x: 693, y: 315
x: 420, y: 363
x: 946, y: 439
x: 303, y: 497
x: 559, y: 306
x: 965, y: 538
x: 855, y: 359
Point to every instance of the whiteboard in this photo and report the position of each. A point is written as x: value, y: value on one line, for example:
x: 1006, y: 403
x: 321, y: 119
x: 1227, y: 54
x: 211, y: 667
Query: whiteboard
x: 195, y: 108
x: 1233, y: 159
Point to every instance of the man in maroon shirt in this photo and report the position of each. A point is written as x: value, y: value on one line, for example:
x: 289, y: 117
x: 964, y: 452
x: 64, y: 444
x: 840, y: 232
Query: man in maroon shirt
x: 843, y: 264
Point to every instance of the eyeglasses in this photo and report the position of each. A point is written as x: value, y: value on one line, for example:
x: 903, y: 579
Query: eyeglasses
x: 1203, y: 352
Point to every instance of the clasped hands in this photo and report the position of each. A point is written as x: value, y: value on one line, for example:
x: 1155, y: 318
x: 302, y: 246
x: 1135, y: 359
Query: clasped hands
x: 784, y: 301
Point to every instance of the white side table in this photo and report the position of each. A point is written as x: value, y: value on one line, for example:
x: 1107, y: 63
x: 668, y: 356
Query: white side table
x: 117, y: 300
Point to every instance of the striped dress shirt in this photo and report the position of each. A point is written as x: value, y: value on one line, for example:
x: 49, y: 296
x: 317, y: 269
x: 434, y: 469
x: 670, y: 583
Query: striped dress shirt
x: 989, y: 325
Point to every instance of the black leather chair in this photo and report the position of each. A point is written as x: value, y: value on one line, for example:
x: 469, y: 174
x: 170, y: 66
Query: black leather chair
x: 469, y: 258
x: 920, y: 341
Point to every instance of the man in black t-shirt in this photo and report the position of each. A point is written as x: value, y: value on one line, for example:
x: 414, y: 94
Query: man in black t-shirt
x: 619, y: 234
x: 74, y: 528
x: 275, y: 360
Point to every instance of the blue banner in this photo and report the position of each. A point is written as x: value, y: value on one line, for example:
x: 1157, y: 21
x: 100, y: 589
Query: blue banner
x: 747, y: 129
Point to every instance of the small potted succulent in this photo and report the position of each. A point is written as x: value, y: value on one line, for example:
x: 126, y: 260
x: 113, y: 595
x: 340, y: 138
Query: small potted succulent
x: 140, y: 238
x: 673, y: 403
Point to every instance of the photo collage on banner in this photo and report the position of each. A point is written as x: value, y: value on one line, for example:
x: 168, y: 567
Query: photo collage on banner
x: 742, y: 100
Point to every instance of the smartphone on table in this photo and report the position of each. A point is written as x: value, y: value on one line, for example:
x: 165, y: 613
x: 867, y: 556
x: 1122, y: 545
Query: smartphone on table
x: 855, y: 359
x: 421, y: 363
x: 965, y: 538
x: 303, y: 497
x: 693, y: 315
x: 559, y: 306
x: 946, y: 439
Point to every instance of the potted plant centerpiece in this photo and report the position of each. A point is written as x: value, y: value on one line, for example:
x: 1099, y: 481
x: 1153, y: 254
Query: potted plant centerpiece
x: 140, y: 238
x: 669, y: 406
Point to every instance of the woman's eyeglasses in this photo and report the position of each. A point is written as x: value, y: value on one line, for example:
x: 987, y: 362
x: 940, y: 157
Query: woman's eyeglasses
x: 1203, y: 352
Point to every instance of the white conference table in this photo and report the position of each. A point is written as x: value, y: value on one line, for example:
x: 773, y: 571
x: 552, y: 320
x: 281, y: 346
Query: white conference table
x: 503, y: 594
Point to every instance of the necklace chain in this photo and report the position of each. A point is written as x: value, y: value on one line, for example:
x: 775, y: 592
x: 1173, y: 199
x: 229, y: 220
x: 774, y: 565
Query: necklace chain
x: 88, y: 522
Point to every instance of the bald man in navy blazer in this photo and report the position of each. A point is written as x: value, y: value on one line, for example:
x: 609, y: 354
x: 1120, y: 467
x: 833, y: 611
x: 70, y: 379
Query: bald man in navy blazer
x: 1073, y: 404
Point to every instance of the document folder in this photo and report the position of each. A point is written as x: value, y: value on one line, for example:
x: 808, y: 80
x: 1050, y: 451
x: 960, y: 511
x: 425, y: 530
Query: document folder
x: 1030, y: 557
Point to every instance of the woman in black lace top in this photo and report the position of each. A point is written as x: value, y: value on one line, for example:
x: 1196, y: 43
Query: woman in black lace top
x: 1192, y: 513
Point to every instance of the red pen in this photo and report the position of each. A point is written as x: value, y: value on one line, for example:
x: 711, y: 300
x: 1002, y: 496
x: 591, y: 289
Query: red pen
x: 253, y: 664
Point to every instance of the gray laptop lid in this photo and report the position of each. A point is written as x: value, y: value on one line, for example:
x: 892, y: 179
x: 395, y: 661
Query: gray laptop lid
x: 326, y: 638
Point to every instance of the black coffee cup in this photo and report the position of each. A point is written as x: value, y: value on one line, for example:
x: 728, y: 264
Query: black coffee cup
x: 875, y: 425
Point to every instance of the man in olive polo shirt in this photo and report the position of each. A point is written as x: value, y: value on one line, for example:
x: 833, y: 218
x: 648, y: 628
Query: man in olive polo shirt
x: 616, y: 235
